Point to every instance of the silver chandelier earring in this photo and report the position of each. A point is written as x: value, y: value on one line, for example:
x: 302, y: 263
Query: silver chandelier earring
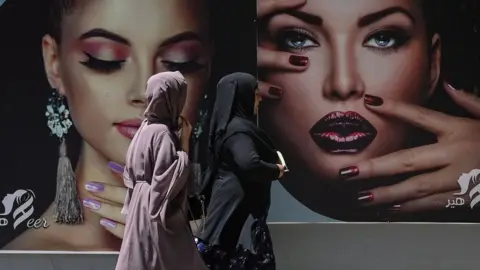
x: 67, y: 208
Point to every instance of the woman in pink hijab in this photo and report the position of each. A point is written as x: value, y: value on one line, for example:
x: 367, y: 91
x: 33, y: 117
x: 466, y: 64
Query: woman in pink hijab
x: 157, y: 232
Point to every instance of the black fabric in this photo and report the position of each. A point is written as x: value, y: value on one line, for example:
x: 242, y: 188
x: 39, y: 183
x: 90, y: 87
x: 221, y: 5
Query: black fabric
x: 244, y: 151
x: 242, y: 166
x: 232, y: 113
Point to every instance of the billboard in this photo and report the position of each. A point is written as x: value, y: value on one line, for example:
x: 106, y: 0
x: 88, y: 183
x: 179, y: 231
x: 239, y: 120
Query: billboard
x: 377, y: 111
x: 379, y: 115
x: 76, y: 72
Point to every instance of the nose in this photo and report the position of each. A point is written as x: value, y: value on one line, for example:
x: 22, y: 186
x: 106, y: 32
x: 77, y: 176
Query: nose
x: 144, y: 70
x: 343, y: 81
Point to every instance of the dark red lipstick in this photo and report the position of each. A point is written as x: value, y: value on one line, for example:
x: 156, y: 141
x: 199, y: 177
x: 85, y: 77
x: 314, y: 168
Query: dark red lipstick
x: 128, y: 128
x: 343, y: 133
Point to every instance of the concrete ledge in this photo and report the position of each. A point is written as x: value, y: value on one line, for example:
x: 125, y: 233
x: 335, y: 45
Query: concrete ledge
x: 315, y: 246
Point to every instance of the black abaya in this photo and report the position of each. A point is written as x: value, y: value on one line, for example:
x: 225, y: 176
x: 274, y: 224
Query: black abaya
x: 242, y: 166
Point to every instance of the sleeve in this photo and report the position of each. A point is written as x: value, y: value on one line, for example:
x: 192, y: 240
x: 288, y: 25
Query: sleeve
x: 248, y: 160
x: 169, y: 177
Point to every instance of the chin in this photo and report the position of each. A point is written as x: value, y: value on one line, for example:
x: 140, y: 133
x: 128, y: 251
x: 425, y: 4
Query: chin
x: 327, y: 165
x: 116, y: 150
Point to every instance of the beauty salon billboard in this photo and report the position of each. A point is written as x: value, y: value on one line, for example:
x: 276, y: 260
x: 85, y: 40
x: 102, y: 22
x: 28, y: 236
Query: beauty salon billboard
x: 380, y: 116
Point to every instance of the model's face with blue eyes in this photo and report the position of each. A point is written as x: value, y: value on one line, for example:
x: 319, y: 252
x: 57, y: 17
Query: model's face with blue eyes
x: 109, y: 49
x: 376, y: 47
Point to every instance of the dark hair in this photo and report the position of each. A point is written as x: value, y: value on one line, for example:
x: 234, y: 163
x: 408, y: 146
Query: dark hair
x: 455, y: 22
x: 58, y: 9
x: 431, y: 10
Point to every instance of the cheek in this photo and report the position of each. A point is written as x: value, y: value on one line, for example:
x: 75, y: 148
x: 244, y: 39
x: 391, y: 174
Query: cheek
x: 302, y: 104
x: 289, y: 120
x: 400, y: 76
x: 93, y: 100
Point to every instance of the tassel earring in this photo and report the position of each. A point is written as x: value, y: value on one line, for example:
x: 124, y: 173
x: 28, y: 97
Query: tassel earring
x: 67, y: 208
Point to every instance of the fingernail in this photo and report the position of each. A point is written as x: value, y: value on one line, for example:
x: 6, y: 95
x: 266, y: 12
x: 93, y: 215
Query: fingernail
x: 391, y: 213
x: 365, y: 197
x: 348, y: 172
x: 108, y: 223
x: 92, y: 204
x: 373, y: 100
x: 274, y: 91
x: 115, y: 167
x: 299, y: 61
x: 451, y: 87
x: 394, y: 209
x: 94, y: 187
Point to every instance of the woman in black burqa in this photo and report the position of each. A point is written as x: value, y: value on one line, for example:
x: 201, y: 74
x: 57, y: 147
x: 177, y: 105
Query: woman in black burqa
x: 242, y: 166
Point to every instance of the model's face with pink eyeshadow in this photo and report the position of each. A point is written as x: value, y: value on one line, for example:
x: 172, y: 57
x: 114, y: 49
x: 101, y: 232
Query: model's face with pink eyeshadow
x: 376, y: 47
x: 109, y: 49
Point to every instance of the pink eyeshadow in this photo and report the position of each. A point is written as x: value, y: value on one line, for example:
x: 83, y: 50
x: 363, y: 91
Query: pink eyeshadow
x: 95, y: 48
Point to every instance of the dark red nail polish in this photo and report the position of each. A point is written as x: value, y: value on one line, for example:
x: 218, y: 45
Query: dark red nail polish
x: 274, y: 91
x: 299, y: 61
x: 394, y: 209
x: 348, y: 172
x: 391, y: 213
x: 365, y: 197
x: 373, y: 100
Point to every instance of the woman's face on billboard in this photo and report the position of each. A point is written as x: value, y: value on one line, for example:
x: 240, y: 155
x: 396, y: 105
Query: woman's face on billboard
x: 107, y: 52
x: 376, y: 47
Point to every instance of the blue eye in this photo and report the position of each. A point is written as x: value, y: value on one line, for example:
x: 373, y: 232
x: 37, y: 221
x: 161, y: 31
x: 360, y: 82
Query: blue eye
x: 388, y: 39
x: 295, y: 39
x: 381, y: 41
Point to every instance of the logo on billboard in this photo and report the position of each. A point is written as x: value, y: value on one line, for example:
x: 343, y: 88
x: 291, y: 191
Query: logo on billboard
x: 19, y: 207
x: 469, y: 183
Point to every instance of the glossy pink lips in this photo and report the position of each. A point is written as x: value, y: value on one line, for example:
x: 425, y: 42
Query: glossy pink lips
x: 128, y: 128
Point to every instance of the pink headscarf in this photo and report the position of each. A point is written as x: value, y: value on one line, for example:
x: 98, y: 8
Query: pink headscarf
x: 166, y: 94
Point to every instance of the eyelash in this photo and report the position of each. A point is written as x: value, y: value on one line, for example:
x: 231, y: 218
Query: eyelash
x: 396, y: 39
x: 288, y: 35
x: 102, y: 65
x: 112, y: 66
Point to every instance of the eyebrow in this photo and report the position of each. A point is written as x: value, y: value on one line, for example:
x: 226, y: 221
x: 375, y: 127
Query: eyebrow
x: 98, y: 32
x: 377, y: 16
x: 306, y: 17
x: 188, y: 35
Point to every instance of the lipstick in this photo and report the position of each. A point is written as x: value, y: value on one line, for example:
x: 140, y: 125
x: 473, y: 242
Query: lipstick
x: 128, y: 128
x: 343, y: 133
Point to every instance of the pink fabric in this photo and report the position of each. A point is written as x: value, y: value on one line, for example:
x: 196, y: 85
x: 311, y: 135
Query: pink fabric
x: 157, y: 233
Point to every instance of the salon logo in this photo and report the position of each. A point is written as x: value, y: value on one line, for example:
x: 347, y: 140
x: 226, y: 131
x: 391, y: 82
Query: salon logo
x: 469, y: 183
x: 18, y: 207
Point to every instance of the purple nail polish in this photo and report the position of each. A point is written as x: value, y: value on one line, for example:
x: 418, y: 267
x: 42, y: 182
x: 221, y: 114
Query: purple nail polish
x: 108, y: 223
x: 94, y: 187
x: 92, y: 204
x: 115, y: 167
